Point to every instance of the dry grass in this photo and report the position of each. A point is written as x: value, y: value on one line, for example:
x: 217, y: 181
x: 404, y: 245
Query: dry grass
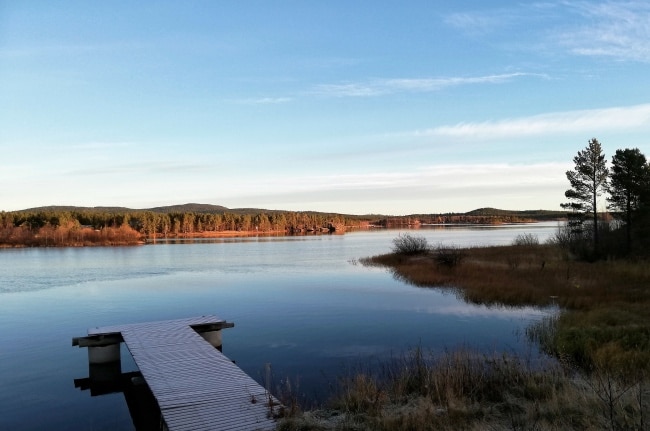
x: 466, y: 391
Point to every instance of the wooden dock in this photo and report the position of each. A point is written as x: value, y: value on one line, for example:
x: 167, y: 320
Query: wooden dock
x: 194, y: 384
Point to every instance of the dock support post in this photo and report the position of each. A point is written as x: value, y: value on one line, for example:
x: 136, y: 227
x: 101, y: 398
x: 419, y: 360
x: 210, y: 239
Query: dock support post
x: 105, y: 378
x: 214, y: 338
x: 104, y: 354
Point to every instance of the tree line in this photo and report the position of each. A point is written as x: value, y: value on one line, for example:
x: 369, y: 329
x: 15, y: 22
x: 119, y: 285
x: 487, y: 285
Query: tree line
x: 84, y: 227
x: 626, y: 184
x: 443, y: 219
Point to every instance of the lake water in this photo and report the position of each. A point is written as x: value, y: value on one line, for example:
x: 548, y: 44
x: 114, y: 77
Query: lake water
x: 300, y: 303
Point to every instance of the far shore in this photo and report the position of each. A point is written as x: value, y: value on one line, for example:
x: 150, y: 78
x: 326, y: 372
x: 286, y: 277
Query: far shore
x: 86, y: 236
x: 217, y: 234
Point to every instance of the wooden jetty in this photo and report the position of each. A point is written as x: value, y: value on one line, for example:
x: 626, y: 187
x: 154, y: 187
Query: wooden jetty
x: 195, y: 385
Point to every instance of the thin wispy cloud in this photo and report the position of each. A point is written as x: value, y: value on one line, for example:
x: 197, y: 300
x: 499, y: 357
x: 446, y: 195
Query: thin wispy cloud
x: 379, y: 87
x: 433, y: 84
x: 149, y: 168
x: 620, y: 30
x: 348, y: 90
x: 388, y: 86
x: 479, y: 175
x: 615, y: 29
x: 263, y: 101
x: 478, y: 23
x: 618, y: 118
x: 100, y: 145
x: 485, y: 22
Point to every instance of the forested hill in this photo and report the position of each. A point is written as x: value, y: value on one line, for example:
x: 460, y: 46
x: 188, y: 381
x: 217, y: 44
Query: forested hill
x: 68, y: 208
x: 532, y: 214
x: 185, y: 208
x: 193, y: 208
x: 189, y: 208
x: 196, y: 208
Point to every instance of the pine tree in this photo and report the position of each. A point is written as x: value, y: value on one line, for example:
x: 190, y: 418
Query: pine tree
x: 628, y: 183
x: 588, y: 181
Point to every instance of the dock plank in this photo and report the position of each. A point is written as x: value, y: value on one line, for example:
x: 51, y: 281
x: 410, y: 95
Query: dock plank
x: 195, y: 385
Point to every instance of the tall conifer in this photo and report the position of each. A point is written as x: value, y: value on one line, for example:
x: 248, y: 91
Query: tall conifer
x: 628, y: 183
x: 588, y: 181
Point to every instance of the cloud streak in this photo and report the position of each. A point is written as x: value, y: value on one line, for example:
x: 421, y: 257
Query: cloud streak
x: 380, y: 87
x: 263, y: 101
x: 388, y: 86
x: 150, y: 168
x: 472, y: 23
x: 483, y: 23
x: 618, y: 118
x: 451, y: 177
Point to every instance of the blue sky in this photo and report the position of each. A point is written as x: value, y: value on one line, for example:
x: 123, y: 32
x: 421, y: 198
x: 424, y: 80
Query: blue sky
x: 339, y: 106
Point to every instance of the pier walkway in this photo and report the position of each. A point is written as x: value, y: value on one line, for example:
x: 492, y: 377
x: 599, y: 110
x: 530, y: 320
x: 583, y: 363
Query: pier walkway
x: 194, y: 384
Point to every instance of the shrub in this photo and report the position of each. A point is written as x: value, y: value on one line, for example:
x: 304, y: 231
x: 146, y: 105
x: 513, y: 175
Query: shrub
x: 410, y: 244
x: 526, y: 239
x: 449, y: 256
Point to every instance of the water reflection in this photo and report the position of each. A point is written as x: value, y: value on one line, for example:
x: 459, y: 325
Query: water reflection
x: 107, y: 379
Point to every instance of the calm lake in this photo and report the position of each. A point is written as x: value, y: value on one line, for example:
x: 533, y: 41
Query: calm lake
x: 301, y: 303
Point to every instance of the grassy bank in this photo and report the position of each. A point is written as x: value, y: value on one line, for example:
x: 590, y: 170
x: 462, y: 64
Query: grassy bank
x: 601, y: 337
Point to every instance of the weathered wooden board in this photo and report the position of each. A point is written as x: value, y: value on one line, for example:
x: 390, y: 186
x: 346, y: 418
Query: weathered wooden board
x: 195, y: 385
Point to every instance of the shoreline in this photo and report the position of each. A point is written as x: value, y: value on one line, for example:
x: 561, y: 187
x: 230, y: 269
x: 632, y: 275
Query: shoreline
x: 88, y: 237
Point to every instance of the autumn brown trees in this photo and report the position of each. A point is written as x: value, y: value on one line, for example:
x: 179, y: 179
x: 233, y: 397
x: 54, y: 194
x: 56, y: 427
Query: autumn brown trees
x: 54, y: 227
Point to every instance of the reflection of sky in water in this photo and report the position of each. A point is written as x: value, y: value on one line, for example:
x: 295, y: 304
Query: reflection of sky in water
x: 298, y: 304
x: 500, y: 312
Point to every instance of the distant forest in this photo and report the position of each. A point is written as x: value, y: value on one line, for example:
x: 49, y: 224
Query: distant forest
x: 78, y: 226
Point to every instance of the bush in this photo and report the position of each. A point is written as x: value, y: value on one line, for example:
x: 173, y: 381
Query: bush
x: 449, y: 256
x: 526, y: 239
x: 408, y: 244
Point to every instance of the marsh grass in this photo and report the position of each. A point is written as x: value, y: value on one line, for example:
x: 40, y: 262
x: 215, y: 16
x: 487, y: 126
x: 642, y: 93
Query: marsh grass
x: 464, y: 390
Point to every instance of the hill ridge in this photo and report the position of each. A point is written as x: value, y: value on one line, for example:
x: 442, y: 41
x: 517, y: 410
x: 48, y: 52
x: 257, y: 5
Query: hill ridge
x: 199, y: 208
